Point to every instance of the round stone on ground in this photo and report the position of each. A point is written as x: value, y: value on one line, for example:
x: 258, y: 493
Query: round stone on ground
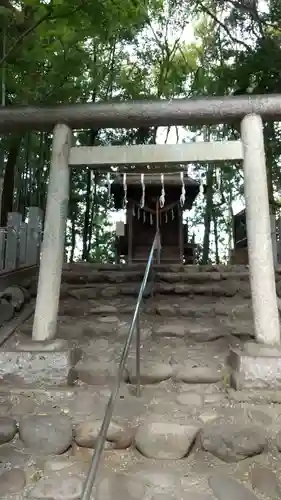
x: 8, y: 429
x: 199, y: 332
x: 190, y: 399
x: 103, y: 309
x: 196, y: 374
x: 93, y: 372
x: 166, y: 310
x: 208, y: 416
x: 5, y: 408
x: 188, y: 495
x: 150, y: 372
x: 108, y: 319
x: 121, y: 487
x: 50, y: 434
x: 165, y: 440
x: 278, y: 441
x: 265, y: 482
x: 233, y: 442
x: 259, y: 417
x: 214, y: 398
x: 11, y: 482
x: 58, y: 486
x: 157, y: 480
x: 7, y: 311
x: 170, y: 330
x: 83, y: 293
x: 118, y: 436
x: 110, y: 291
x: 15, y: 296
x: 61, y: 462
x: 227, y: 488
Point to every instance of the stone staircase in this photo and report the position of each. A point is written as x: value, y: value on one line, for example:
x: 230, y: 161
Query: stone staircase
x: 188, y: 435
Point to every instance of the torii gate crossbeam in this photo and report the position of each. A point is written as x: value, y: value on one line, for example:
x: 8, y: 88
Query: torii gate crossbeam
x: 191, y: 111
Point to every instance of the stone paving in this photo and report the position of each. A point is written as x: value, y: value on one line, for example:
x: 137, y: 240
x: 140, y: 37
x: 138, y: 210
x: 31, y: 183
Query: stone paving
x: 188, y: 436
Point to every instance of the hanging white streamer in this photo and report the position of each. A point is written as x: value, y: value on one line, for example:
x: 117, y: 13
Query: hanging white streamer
x: 125, y: 201
x: 162, y: 197
x: 143, y: 191
x: 151, y: 219
x: 173, y: 215
x: 166, y: 217
x: 182, y: 196
x: 144, y: 216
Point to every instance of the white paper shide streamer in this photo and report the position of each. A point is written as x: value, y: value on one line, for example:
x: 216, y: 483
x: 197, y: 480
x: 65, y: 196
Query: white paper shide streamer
x: 162, y: 197
x: 142, y: 203
x: 125, y: 201
x: 182, y: 196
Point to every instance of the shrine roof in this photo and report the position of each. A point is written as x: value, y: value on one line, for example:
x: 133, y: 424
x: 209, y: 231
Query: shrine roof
x: 153, y: 179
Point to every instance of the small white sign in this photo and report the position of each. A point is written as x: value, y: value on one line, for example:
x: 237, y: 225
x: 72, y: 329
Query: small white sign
x: 120, y: 228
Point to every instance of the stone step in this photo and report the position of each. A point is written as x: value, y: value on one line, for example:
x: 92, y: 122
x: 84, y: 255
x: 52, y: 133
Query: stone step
x: 191, y: 276
x: 191, y: 325
x: 86, y: 281
x: 85, y: 267
x: 226, y: 288
x: 128, y: 284
x: 183, y: 311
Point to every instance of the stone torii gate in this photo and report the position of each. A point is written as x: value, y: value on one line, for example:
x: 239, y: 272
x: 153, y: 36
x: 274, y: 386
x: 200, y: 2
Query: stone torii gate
x: 249, y: 111
x: 245, y: 109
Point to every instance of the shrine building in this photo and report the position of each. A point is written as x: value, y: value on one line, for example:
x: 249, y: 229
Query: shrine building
x: 154, y: 202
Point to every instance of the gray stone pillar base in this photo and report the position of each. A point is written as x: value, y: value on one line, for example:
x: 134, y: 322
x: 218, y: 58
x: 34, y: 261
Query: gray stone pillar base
x: 39, y: 363
x: 256, y: 366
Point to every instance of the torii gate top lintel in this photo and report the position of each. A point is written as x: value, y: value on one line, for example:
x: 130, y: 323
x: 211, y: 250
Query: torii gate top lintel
x: 191, y: 111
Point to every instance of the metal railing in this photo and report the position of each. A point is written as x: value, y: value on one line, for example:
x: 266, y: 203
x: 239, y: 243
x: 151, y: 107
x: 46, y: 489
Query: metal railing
x: 135, y: 325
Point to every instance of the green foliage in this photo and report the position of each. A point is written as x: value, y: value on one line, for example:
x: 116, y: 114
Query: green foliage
x: 64, y: 51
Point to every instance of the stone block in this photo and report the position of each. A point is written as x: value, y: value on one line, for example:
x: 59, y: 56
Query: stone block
x: 39, y: 367
x: 256, y: 366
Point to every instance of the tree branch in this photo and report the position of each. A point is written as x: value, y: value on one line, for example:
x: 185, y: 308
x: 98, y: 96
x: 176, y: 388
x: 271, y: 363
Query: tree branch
x: 223, y: 26
x: 28, y: 31
x: 24, y: 35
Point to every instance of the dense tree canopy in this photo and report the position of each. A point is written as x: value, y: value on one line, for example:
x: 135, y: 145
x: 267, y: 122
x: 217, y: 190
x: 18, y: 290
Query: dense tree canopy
x: 57, y: 51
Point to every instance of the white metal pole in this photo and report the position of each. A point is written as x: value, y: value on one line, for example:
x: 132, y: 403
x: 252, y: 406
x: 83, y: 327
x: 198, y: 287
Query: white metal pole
x: 47, y: 302
x: 262, y: 276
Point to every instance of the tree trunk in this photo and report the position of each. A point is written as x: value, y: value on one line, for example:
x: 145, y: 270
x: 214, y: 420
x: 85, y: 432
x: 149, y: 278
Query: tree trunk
x: 230, y: 226
x: 87, y: 217
x: 269, y: 139
x: 216, y: 237
x: 72, y: 214
x: 86, y: 230
x: 73, y: 238
x: 92, y: 214
x: 9, y: 179
x: 97, y: 225
x: 208, y: 215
